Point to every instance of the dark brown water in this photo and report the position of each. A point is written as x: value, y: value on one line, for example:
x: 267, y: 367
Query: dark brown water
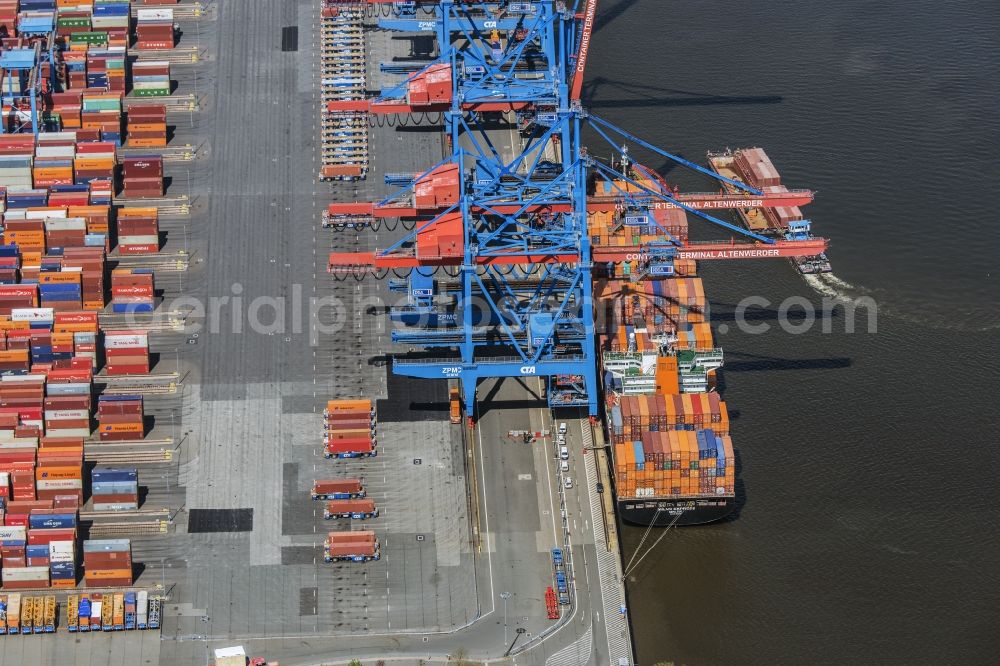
x: 870, y: 531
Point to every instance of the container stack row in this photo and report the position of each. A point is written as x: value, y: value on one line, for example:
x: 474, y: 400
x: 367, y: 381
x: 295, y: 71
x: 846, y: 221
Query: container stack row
x: 46, y: 469
x: 349, y: 429
x: 673, y: 462
x: 132, y: 290
x: 56, y: 194
x: 138, y: 230
x: 127, y: 352
x: 142, y: 176
x: 107, y: 562
x: 38, y: 547
x: 114, y: 489
x: 32, y: 170
x: 343, y: 134
x: 87, y: 59
x: 120, y: 418
x: 147, y: 126
x: 62, y: 347
x: 154, y: 28
x: 653, y: 412
x: 151, y: 78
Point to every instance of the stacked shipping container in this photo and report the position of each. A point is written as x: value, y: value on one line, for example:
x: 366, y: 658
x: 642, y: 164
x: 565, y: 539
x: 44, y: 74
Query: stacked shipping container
x: 350, y: 428
x: 138, y: 231
x: 132, y: 290
x: 675, y: 462
x: 337, y: 489
x: 147, y: 126
x: 38, y: 546
x: 357, y: 546
x: 120, y: 418
x: 143, y: 176
x: 115, y: 489
x: 127, y: 352
x: 107, y: 562
x: 151, y: 78
x: 154, y: 27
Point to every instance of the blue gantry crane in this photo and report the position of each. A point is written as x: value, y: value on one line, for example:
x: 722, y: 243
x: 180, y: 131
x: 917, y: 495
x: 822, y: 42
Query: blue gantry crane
x: 498, y: 254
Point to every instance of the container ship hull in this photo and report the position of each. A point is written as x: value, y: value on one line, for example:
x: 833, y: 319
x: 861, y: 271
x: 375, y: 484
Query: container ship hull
x: 672, y: 457
x: 682, y: 511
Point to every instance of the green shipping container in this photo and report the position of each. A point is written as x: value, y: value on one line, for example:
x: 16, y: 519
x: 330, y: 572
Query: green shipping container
x: 73, y: 23
x: 152, y: 92
x: 101, y: 105
x: 89, y: 38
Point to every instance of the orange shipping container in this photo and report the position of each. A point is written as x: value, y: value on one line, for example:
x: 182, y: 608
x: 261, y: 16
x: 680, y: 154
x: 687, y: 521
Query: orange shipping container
x: 99, y: 574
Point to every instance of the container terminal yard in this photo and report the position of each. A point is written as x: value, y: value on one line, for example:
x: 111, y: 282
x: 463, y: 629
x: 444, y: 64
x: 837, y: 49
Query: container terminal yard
x: 480, y: 515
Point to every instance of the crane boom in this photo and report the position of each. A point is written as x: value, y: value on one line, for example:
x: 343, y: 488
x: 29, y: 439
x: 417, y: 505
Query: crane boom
x: 581, y: 57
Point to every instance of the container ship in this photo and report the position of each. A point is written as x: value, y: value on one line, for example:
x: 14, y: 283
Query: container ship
x: 668, y: 430
x: 754, y: 167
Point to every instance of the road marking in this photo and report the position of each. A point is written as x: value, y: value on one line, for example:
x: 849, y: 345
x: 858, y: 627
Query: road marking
x: 486, y: 516
x: 548, y: 469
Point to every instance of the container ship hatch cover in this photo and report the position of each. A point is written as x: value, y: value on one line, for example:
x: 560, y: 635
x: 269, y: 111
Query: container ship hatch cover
x: 668, y: 429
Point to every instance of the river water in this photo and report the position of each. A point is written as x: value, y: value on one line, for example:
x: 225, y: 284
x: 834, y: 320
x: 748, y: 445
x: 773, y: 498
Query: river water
x: 869, y: 530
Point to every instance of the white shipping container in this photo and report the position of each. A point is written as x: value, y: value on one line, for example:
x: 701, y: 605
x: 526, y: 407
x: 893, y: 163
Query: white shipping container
x: 68, y: 432
x: 20, y: 574
x: 59, y: 484
x: 66, y: 224
x: 123, y: 506
x: 31, y: 314
x: 138, y: 240
x: 58, y: 414
x: 107, y: 545
x: 95, y: 612
x: 109, y: 22
x: 42, y: 150
x: 124, y: 341
x: 20, y: 443
x: 151, y: 85
x: 13, y: 532
x: 45, y: 214
x: 166, y: 14
x: 61, y: 551
x: 38, y: 379
x: 52, y: 137
x: 142, y: 606
x: 77, y: 388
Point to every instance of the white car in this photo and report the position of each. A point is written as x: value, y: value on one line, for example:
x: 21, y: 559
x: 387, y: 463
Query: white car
x: 562, y: 428
x: 563, y: 453
x: 568, y: 483
x: 564, y: 466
